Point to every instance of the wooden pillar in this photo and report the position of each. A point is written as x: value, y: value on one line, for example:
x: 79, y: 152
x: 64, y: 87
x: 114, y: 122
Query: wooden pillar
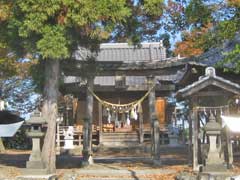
x: 229, y: 148
x: 100, y: 121
x: 141, y: 133
x: 156, y: 155
x: 183, y: 125
x: 58, y: 148
x: 88, y: 121
x: 85, y: 151
x: 152, y: 116
x: 195, y: 141
x: 190, y: 140
x: 151, y: 99
x: 151, y: 104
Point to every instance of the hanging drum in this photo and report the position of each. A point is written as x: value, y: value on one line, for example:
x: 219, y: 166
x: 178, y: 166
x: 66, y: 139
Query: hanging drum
x: 161, y: 110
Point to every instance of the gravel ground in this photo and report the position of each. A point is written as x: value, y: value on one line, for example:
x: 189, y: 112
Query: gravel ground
x: 109, y: 165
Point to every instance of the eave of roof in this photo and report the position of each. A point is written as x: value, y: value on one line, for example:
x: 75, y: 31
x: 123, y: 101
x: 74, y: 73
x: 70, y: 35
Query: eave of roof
x: 207, y: 81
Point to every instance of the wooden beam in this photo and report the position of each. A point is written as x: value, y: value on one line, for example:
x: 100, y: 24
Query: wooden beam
x: 74, y: 88
x: 211, y: 93
x: 109, y: 68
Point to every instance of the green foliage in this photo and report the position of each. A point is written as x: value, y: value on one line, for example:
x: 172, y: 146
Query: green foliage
x: 18, y: 141
x: 231, y: 62
x: 143, y: 24
x: 227, y: 29
x: 197, y: 13
x: 153, y: 7
x: 53, y: 29
x: 53, y: 43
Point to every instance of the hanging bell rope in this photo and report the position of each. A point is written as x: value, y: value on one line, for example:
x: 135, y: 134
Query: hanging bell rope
x: 121, y: 107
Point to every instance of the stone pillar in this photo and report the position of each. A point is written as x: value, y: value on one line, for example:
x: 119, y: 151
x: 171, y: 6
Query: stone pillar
x: 35, y: 160
x: 88, y: 121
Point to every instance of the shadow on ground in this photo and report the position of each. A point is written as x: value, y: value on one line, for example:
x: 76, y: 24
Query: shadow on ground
x: 168, y: 156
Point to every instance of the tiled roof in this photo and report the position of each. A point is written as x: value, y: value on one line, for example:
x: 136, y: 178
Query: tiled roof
x: 208, y: 80
x: 126, y: 53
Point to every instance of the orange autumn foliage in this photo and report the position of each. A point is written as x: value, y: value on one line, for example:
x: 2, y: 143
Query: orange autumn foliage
x: 235, y: 3
x: 193, y: 42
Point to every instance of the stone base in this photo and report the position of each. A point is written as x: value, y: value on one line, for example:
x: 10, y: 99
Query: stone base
x: 37, y: 177
x: 204, y: 176
x: 85, y: 163
x: 157, y: 162
x: 29, y: 171
x: 215, y: 176
x: 35, y: 165
x: 215, y: 168
x: 76, y: 151
x: 173, y: 141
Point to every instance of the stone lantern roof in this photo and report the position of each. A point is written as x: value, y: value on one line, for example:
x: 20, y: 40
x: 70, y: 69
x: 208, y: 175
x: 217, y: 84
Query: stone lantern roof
x: 212, y: 127
x: 36, y: 118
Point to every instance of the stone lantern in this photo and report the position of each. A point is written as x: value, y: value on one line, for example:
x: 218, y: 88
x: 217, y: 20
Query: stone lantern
x: 35, y: 164
x: 214, y: 161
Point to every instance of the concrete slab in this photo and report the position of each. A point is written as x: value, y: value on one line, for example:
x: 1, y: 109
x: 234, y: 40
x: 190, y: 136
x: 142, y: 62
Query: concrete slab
x: 27, y: 171
x: 37, y: 177
x: 119, y: 172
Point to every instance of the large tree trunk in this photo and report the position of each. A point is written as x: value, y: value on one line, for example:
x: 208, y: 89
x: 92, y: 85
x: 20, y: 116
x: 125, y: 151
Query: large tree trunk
x: 2, y: 148
x: 50, y: 112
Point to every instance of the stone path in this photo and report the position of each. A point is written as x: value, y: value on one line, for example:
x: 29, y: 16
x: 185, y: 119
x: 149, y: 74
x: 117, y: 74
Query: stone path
x: 114, y: 174
x: 118, y: 168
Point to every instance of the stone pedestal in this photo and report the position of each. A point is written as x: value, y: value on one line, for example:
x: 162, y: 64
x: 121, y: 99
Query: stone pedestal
x: 35, y: 165
x: 214, y: 162
x: 35, y: 160
x: 173, y: 139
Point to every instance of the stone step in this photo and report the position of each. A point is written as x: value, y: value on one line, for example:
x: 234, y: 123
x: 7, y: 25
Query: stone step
x: 120, y: 140
x: 114, y: 178
x: 120, y: 135
x: 122, y: 172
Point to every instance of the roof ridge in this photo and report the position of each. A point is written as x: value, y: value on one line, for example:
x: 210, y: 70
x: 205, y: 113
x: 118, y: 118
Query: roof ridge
x: 126, y: 45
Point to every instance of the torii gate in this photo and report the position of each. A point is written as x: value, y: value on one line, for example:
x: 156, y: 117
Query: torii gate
x: 112, y: 68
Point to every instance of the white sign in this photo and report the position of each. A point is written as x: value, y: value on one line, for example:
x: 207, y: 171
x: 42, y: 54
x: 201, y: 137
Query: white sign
x: 233, y: 123
x: 8, y: 130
